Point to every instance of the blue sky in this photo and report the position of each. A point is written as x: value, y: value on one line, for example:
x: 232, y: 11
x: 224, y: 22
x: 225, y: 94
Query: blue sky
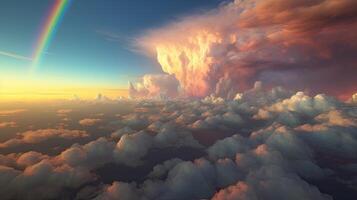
x: 93, y: 43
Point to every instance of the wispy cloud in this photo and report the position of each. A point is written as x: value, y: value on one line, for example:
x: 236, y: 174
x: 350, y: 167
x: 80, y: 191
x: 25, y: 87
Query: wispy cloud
x: 11, y: 112
x: 15, y: 56
x: 113, y: 37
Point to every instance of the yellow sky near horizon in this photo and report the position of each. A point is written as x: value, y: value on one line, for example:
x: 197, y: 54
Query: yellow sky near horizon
x: 26, y: 88
x: 43, y: 91
x: 60, y: 94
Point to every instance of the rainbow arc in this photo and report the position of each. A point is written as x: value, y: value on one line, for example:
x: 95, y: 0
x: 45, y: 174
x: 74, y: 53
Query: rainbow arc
x: 48, y: 30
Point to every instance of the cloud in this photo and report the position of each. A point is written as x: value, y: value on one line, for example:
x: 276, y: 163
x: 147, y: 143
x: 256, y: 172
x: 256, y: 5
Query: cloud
x: 119, y: 190
x: 112, y: 36
x: 280, y: 42
x: 264, y: 144
x: 239, y: 191
x: 268, y: 181
x: 89, y: 121
x: 38, y: 136
x: 131, y: 148
x: 91, y: 155
x: 159, y: 171
x: 155, y: 86
x: 7, y: 124
x: 228, y: 147
x: 64, y: 112
x: 15, y: 56
x: 43, y: 178
x: 11, y: 112
x: 354, y: 98
x: 336, y: 118
x: 30, y: 158
x: 120, y: 132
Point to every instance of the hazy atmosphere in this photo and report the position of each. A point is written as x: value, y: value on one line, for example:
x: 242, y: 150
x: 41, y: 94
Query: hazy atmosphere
x: 178, y: 100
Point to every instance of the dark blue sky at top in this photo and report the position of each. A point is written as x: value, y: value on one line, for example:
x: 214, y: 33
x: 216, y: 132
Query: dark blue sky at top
x: 92, y: 44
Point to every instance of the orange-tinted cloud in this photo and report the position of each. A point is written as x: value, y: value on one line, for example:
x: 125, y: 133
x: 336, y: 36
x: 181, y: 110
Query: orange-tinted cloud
x: 89, y: 122
x: 11, y: 112
x: 7, y: 124
x: 38, y: 136
x: 154, y: 85
x: 283, y: 42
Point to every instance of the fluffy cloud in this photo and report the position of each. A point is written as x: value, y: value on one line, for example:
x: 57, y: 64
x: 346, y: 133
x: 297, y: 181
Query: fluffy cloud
x: 336, y: 118
x: 280, y: 42
x: 160, y: 170
x: 119, y: 190
x: 131, y: 148
x: 63, y: 112
x: 7, y: 124
x: 90, y: 155
x: 269, y: 180
x: 263, y: 144
x: 118, y: 133
x: 239, y: 191
x: 11, y: 112
x: 155, y: 86
x: 40, y: 177
x: 354, y: 98
x: 228, y: 147
x: 37, y: 136
x: 89, y: 121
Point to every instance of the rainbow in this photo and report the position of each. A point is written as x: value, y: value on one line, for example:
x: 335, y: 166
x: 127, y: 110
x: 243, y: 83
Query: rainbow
x: 48, y: 30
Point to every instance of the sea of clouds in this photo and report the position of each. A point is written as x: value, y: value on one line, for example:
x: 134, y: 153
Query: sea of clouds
x: 263, y: 144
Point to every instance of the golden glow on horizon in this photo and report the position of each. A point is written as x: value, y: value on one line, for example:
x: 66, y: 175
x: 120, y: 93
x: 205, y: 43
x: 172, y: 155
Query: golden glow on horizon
x: 32, y: 90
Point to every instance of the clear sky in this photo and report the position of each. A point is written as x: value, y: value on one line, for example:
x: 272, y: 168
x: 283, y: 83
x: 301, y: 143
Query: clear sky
x: 92, y: 47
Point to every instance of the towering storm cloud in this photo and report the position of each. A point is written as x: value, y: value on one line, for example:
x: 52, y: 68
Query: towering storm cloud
x: 284, y: 42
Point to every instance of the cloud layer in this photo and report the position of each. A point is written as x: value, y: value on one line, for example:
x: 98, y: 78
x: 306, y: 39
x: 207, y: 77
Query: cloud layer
x: 264, y: 144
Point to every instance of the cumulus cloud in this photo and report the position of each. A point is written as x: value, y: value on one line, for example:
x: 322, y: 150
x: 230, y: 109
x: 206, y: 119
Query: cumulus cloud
x: 37, y: 136
x: 39, y: 176
x: 239, y: 191
x: 90, y: 155
x: 11, y: 112
x: 336, y: 118
x: 279, y: 42
x: 353, y: 99
x: 131, y: 148
x: 7, y: 124
x: 263, y: 144
x: 155, y: 86
x: 89, y: 121
x: 119, y: 190
x: 160, y: 170
x: 120, y: 132
x: 64, y: 112
x: 228, y: 147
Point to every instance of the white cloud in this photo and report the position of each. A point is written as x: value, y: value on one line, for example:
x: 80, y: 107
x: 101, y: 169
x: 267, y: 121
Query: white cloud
x: 16, y: 56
